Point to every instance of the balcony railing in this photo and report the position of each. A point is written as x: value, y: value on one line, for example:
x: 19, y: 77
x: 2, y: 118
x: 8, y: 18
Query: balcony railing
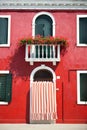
x: 42, y: 53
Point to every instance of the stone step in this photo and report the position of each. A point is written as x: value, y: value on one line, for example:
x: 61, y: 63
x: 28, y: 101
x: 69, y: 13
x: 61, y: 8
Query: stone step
x: 43, y: 127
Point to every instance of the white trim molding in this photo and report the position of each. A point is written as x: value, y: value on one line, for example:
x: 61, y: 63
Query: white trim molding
x: 43, y: 4
x: 3, y: 103
x: 78, y: 87
x: 78, y: 41
x: 41, y: 68
x: 43, y: 13
x: 4, y: 71
x: 9, y: 25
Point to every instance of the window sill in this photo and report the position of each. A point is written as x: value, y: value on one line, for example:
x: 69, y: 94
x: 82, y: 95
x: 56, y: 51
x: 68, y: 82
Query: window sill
x: 3, y: 103
x: 82, y: 103
x: 4, y: 45
x: 81, y: 45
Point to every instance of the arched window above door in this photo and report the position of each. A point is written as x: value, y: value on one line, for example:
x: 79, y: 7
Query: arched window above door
x: 43, y: 75
x: 43, y: 18
x: 43, y: 26
x: 44, y: 68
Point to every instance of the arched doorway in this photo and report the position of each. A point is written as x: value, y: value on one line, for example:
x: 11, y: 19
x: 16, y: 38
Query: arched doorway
x: 43, y: 95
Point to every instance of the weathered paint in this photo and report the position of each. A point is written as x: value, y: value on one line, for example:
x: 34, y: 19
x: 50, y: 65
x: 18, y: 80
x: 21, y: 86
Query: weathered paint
x: 73, y: 59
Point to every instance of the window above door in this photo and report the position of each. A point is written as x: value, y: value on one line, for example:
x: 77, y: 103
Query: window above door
x: 43, y: 26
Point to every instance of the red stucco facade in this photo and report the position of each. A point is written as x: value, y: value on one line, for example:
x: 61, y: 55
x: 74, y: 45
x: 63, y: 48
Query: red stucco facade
x: 13, y: 59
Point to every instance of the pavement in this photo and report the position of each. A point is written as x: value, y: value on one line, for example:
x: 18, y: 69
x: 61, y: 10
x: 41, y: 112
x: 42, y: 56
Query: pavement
x: 43, y: 127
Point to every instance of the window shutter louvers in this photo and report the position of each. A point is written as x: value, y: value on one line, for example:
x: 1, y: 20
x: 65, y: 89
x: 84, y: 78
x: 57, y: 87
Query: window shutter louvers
x: 8, y: 87
x: 2, y: 87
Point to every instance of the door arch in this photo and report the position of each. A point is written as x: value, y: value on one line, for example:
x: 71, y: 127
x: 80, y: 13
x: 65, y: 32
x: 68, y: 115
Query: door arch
x: 43, y: 67
x: 36, y: 77
x: 43, y: 75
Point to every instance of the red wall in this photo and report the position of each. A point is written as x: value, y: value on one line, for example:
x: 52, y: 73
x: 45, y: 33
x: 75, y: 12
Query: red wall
x: 73, y: 59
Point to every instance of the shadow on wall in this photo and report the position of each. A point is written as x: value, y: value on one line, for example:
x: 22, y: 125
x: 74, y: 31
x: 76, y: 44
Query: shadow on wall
x: 18, y: 66
x: 63, y: 50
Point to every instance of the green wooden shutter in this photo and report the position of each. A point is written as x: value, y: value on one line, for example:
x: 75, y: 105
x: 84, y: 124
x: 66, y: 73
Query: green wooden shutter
x: 8, y: 87
x: 83, y: 87
x: 2, y: 87
x: 3, y: 30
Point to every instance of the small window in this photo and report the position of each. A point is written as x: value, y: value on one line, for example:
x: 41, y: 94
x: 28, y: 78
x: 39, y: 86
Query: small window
x: 82, y: 30
x: 82, y: 87
x: 4, y: 31
x: 5, y: 87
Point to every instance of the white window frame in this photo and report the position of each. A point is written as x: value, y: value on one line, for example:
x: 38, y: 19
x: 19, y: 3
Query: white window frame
x: 4, y: 72
x: 78, y: 42
x: 78, y: 87
x: 9, y: 25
